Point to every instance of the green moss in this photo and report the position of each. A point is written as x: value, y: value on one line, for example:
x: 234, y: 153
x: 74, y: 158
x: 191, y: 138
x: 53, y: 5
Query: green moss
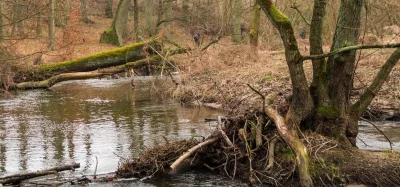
x: 277, y: 15
x: 100, y: 60
x: 330, y: 112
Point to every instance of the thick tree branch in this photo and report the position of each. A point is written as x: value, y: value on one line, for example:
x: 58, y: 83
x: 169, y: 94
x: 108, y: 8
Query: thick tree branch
x: 349, y: 48
x: 366, y: 98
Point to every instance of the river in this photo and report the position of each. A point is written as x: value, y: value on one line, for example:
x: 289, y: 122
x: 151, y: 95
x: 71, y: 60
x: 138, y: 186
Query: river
x: 77, y: 121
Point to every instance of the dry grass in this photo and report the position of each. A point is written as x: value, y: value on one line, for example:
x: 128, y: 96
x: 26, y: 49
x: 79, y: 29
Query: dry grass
x: 221, y: 75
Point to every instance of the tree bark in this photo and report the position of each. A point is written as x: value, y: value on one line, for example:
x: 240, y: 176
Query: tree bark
x: 149, y: 18
x: 109, y: 9
x: 237, y: 21
x: 340, y: 71
x: 52, y: 31
x: 114, y: 34
x: 319, y: 87
x: 105, y: 59
x: 16, y: 179
x: 1, y: 21
x: 136, y: 19
x: 85, y: 17
x: 301, y: 106
x: 255, y: 25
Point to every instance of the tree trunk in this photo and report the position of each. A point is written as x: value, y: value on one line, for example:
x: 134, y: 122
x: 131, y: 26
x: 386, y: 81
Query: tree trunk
x: 105, y: 59
x: 85, y: 17
x: 149, y: 18
x: 336, y: 121
x: 114, y: 34
x: 185, y: 8
x: 1, y: 21
x: 255, y: 25
x: 237, y: 21
x: 160, y: 11
x: 301, y: 105
x: 52, y: 31
x: 67, y: 10
x: 39, y: 24
x: 20, y: 20
x: 109, y: 9
x: 136, y: 19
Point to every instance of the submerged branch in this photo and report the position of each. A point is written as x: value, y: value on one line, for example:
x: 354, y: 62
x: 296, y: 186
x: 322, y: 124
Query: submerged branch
x: 387, y: 138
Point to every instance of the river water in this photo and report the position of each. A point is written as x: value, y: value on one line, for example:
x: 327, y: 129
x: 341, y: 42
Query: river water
x: 77, y: 121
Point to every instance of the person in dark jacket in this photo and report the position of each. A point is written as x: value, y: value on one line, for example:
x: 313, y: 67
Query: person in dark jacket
x: 196, y: 38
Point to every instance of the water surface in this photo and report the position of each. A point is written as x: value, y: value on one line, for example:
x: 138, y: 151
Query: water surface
x: 77, y: 121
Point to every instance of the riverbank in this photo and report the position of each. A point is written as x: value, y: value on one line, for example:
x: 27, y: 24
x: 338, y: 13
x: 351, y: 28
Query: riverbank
x: 220, y: 75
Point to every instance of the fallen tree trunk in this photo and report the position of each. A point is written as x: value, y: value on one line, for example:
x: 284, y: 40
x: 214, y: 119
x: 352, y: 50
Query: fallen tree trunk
x: 56, y: 79
x: 115, y: 57
x: 17, y: 178
x: 154, y: 60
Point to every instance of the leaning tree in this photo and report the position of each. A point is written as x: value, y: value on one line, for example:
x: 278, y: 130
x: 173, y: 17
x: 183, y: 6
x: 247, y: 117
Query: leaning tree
x: 325, y: 106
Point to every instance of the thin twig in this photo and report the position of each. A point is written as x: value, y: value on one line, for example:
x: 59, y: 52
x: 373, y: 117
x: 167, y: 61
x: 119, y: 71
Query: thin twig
x: 294, y: 6
x: 370, y: 122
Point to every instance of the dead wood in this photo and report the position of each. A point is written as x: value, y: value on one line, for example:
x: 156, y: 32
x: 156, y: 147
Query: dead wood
x: 191, y: 151
x: 17, y: 178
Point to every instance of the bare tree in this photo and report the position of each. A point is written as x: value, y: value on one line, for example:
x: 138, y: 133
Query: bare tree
x: 237, y: 21
x: 52, y: 31
x: 85, y: 17
x: 109, y: 9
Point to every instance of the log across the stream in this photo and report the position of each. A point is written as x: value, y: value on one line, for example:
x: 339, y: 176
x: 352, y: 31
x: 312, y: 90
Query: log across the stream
x: 17, y: 178
x: 96, y: 65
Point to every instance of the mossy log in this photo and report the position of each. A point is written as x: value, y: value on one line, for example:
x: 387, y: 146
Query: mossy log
x: 115, y: 57
x: 105, y: 59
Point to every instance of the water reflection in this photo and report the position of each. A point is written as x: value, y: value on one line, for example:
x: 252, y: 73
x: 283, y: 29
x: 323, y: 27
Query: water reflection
x: 370, y: 138
x: 79, y: 120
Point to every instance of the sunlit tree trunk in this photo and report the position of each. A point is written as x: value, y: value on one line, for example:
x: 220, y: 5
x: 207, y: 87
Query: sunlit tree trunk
x: 109, y: 8
x: 237, y: 21
x: 52, y: 33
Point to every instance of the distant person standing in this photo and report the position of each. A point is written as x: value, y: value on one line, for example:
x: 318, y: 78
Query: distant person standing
x: 196, y: 38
